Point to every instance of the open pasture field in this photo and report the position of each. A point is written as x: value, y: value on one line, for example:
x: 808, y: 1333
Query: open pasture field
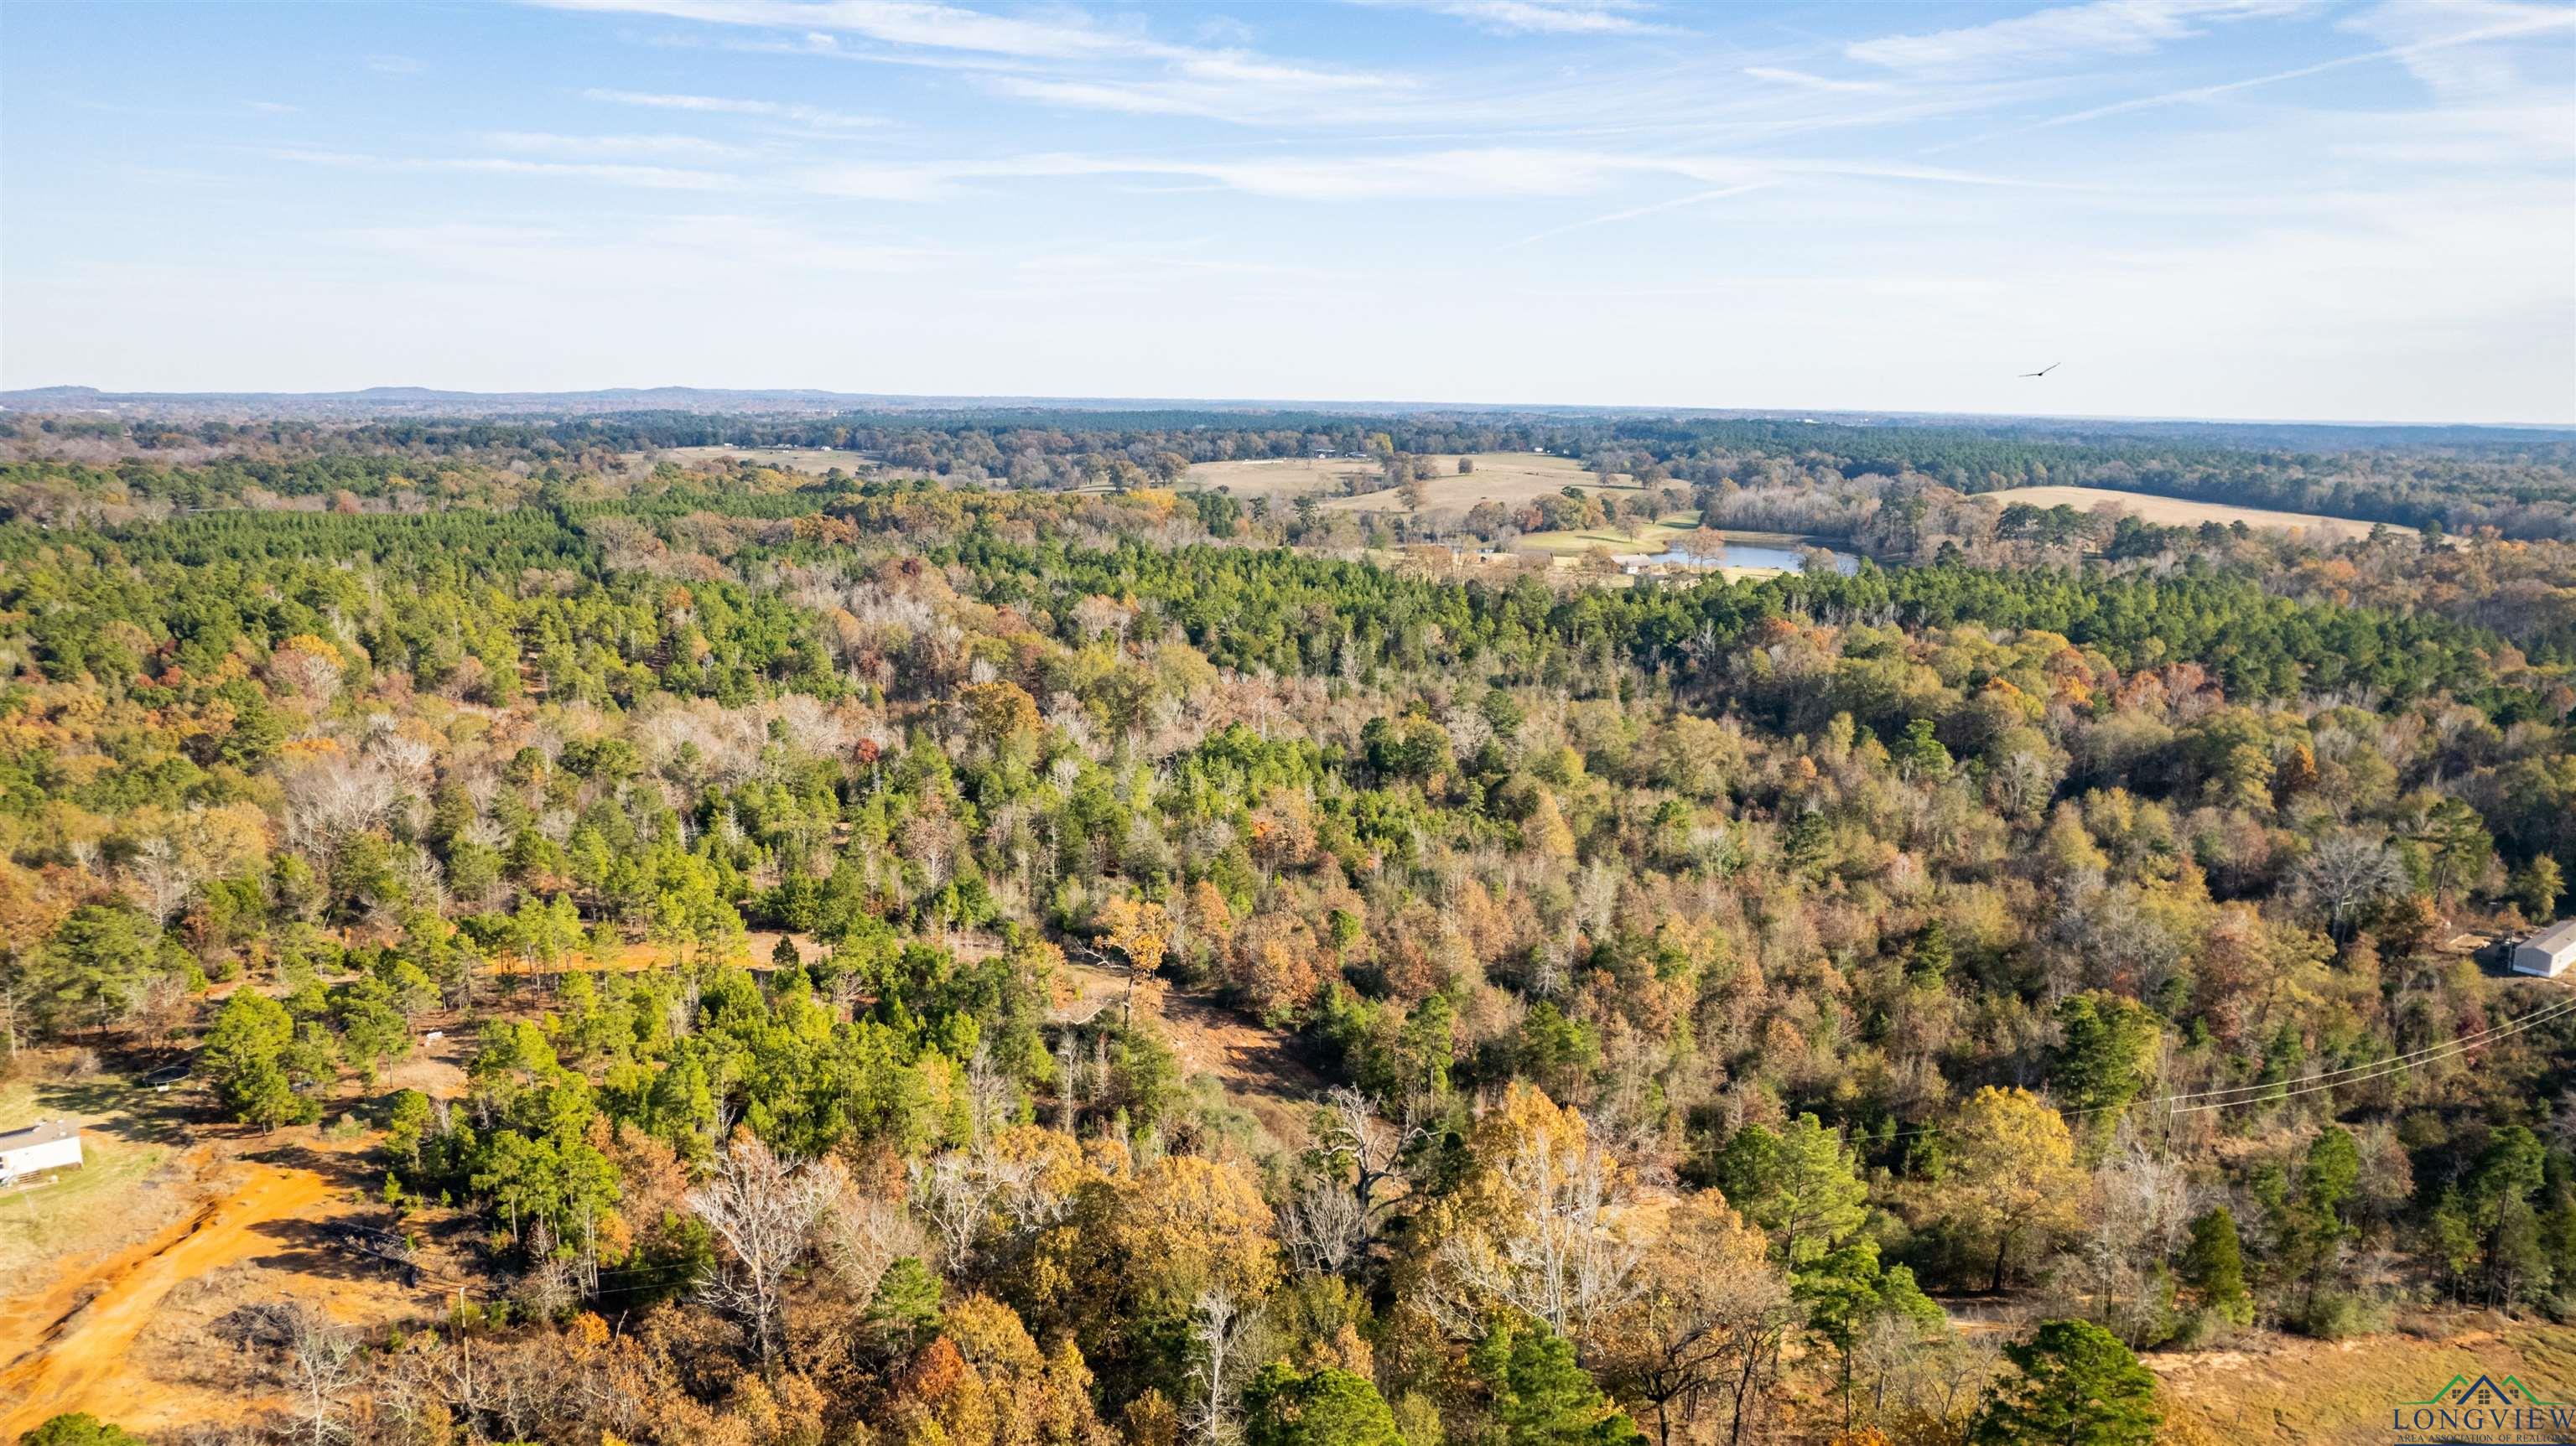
x: 814, y: 460
x: 2179, y: 512
x: 1510, y: 478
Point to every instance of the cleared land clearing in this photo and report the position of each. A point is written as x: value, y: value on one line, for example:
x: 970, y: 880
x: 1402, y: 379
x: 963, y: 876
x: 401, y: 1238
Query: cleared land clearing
x: 2178, y: 512
x: 120, y: 1318
x: 2281, y: 1391
x: 70, y: 1346
x: 814, y: 460
x: 120, y: 1271
x: 1259, y: 1068
x: 1510, y: 478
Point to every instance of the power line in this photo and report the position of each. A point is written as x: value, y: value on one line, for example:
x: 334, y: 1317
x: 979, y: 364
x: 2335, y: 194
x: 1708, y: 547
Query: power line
x: 2289, y: 1089
x: 2466, y: 1041
x: 2385, y: 1067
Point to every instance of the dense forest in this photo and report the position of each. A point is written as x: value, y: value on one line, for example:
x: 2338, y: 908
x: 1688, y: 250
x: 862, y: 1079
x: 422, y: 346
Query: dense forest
x: 1688, y: 995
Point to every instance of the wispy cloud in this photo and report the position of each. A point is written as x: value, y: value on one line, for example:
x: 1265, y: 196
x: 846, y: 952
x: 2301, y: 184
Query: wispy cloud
x: 678, y: 147
x: 1542, y: 17
x: 1782, y: 75
x: 1766, y: 175
x: 2069, y: 32
x: 1423, y: 175
x: 1230, y: 87
x: 1065, y: 59
x: 2419, y: 55
x: 656, y: 178
x: 1633, y: 212
x: 393, y: 65
x: 2448, y: 47
x: 904, y: 22
x: 817, y: 117
x: 711, y: 249
x: 1485, y: 173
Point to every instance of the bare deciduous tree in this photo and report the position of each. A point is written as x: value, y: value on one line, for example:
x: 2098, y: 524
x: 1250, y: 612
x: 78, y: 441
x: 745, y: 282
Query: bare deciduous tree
x: 991, y: 1098
x: 763, y: 1207
x: 1352, y: 1135
x: 1328, y: 1224
x: 321, y: 1368
x: 1218, y: 1327
x: 859, y: 1235
x: 1324, y: 1227
x: 1556, y: 1244
x: 162, y: 878
x: 333, y: 796
x: 2346, y: 873
x: 956, y: 1198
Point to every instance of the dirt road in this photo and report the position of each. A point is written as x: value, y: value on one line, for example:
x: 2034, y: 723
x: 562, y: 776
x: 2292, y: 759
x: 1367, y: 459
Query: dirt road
x: 70, y: 1347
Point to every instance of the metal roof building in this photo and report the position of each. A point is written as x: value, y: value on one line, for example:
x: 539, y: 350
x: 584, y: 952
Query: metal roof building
x: 44, y: 1145
x: 2549, y: 952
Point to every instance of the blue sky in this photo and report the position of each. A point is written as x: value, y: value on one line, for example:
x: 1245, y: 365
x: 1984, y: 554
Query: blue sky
x: 2225, y: 208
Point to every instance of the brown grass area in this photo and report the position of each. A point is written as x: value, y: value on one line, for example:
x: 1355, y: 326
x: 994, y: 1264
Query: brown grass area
x: 2176, y: 512
x: 813, y: 460
x: 1510, y: 478
x: 2281, y: 1391
x: 1257, y: 1067
x: 435, y: 1067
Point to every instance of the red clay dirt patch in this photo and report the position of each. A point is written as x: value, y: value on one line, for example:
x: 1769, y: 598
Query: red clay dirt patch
x: 69, y: 1347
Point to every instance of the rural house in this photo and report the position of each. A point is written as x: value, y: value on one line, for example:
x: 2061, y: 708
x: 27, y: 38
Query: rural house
x: 2549, y: 952
x: 42, y: 1146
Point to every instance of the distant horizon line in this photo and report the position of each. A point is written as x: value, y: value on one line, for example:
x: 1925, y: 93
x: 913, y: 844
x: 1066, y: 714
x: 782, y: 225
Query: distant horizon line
x: 35, y: 399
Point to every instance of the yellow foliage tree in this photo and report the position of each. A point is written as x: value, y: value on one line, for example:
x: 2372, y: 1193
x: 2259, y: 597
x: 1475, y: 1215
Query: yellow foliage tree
x: 999, y: 712
x: 2011, y: 1175
x: 1140, y: 931
x: 1185, y: 1224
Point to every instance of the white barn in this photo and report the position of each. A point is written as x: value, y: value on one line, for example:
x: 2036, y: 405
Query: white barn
x: 2548, y: 952
x: 42, y: 1146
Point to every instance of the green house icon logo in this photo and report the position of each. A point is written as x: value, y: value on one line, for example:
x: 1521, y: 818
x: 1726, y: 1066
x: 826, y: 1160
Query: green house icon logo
x: 2484, y: 1390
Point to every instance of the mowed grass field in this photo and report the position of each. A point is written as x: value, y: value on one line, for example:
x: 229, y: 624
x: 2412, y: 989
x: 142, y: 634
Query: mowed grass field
x: 1510, y: 478
x: 2177, y: 512
x: 814, y: 460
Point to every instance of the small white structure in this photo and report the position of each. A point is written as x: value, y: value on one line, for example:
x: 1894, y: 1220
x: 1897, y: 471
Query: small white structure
x: 42, y: 1146
x: 2547, y: 953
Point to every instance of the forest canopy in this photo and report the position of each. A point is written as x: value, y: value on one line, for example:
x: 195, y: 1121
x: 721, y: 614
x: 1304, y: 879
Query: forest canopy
x: 957, y: 950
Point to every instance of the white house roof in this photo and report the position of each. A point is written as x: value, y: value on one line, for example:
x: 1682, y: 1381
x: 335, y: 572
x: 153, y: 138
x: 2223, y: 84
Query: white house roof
x: 2560, y: 935
x: 42, y: 1132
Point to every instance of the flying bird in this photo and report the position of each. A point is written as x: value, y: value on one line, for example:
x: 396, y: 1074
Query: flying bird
x: 2043, y: 371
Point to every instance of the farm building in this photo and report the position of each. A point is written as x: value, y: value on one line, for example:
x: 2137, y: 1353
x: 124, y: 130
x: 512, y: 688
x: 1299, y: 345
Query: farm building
x: 2548, y: 952
x: 42, y: 1146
